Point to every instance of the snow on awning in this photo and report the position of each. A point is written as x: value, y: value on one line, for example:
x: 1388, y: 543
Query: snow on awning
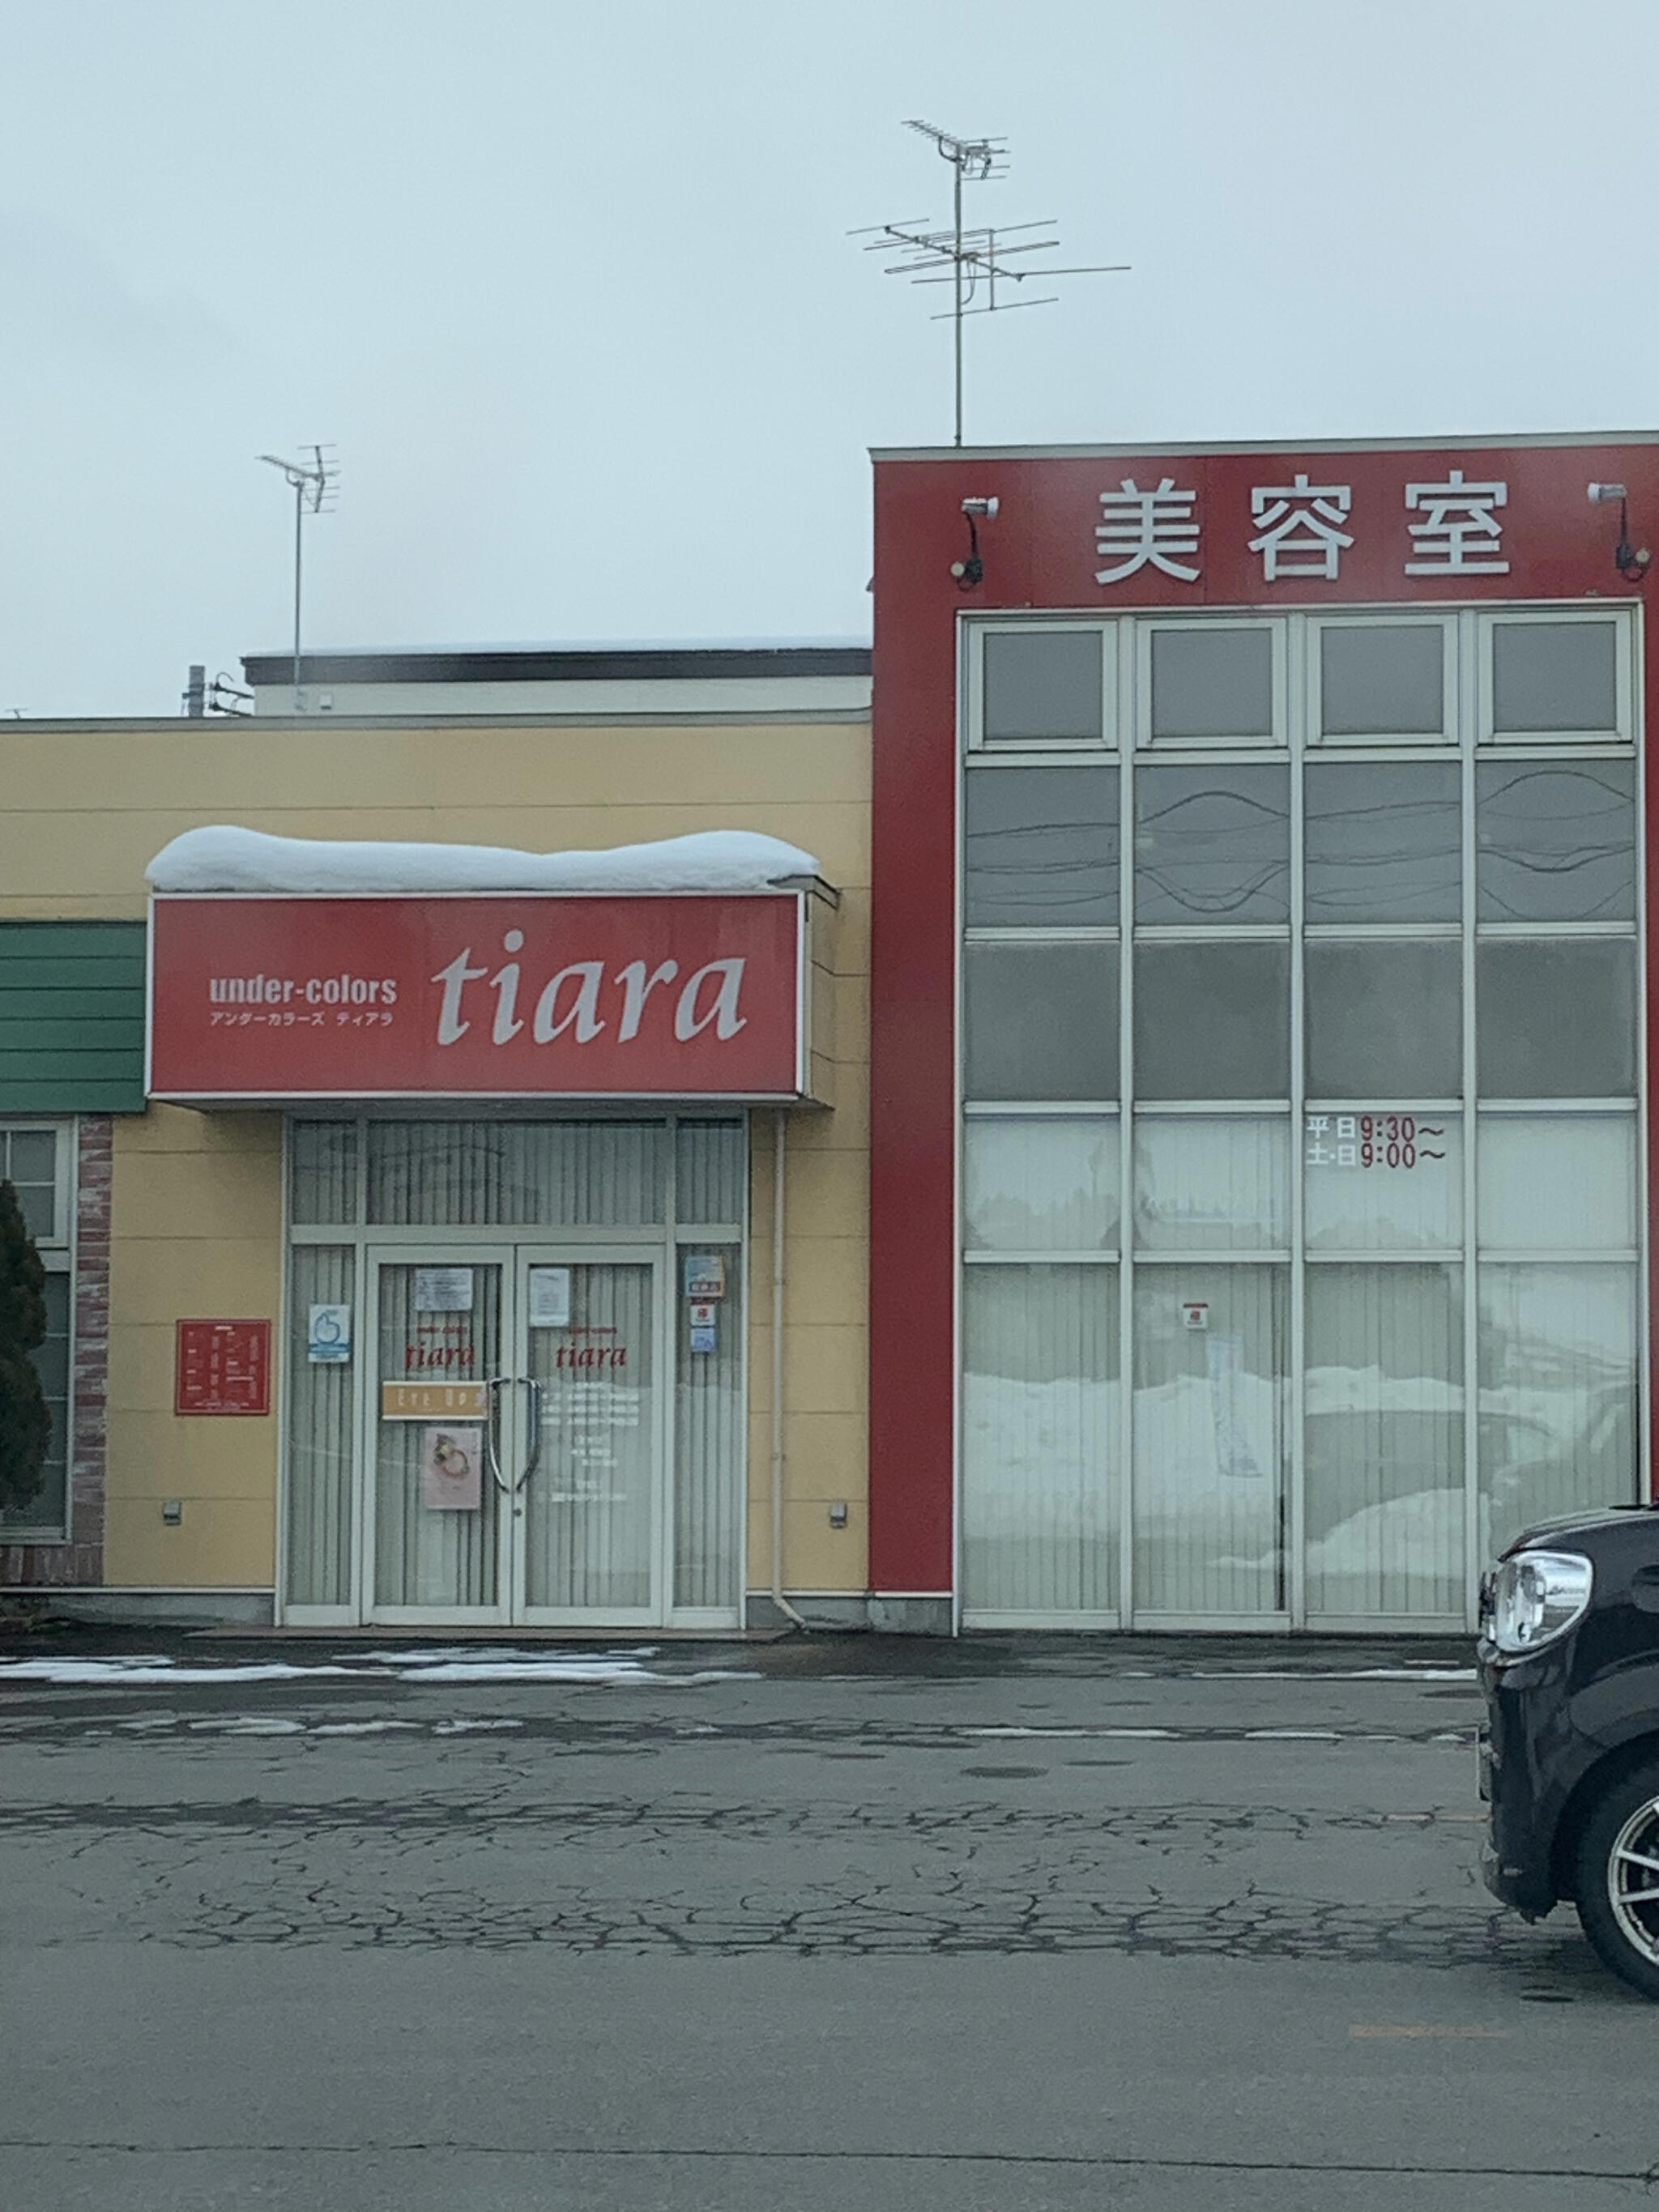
x: 225, y: 858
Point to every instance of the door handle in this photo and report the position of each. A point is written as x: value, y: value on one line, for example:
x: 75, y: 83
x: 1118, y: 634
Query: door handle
x: 494, y: 1383
x: 533, y: 1456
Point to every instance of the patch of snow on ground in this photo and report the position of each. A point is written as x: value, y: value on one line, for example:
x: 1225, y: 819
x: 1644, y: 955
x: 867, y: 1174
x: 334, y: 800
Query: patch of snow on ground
x: 427, y: 1666
x: 227, y: 859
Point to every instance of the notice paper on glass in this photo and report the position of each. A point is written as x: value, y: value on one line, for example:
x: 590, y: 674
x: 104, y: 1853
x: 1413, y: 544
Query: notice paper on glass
x: 451, y: 1477
x: 549, y: 1297
x: 443, y: 1290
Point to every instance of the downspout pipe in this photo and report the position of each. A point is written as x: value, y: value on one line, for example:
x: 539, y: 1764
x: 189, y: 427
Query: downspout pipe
x: 780, y: 1124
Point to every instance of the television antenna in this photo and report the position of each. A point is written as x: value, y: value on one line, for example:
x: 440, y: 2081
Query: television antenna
x: 973, y: 261
x: 315, y: 485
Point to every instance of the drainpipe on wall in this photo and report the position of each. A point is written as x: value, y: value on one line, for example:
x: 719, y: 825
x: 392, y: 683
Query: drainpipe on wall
x: 780, y: 1122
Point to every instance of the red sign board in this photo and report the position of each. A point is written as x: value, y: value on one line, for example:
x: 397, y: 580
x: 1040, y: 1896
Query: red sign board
x: 222, y: 1367
x: 503, y: 996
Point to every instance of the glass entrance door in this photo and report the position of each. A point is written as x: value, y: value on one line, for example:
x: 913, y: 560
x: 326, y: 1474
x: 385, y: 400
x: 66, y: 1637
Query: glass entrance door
x: 518, y: 1470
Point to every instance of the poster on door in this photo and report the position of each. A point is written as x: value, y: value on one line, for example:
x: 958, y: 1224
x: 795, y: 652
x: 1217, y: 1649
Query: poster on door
x: 452, y: 1469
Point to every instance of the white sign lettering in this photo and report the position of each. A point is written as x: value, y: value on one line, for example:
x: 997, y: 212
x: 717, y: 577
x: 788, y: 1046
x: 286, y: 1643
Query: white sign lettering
x: 1147, y: 529
x: 569, y: 1002
x: 1460, y: 532
x: 1299, y: 526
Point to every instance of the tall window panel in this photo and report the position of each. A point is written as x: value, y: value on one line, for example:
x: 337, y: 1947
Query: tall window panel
x: 1211, y: 1360
x: 1040, y: 1505
x: 1558, y: 1392
x: 1384, y: 1441
x: 708, y: 1444
x: 320, y: 1433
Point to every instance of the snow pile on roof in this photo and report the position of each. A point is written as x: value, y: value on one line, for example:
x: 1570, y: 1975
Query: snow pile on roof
x: 229, y: 860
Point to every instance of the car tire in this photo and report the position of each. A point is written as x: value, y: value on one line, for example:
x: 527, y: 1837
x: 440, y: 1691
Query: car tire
x: 1616, y: 1879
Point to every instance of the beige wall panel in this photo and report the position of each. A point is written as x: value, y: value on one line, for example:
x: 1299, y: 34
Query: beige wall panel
x: 828, y: 1195
x: 223, y: 1543
x: 163, y: 1454
x: 845, y: 1128
x: 816, y: 1557
x: 825, y: 1455
x: 826, y: 1282
x: 182, y: 1129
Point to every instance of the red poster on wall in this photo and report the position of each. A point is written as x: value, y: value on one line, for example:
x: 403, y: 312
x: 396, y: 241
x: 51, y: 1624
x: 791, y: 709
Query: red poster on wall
x: 221, y: 1367
x: 503, y: 996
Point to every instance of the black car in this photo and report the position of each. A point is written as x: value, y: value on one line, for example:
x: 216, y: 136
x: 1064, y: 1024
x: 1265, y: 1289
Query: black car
x: 1569, y: 1658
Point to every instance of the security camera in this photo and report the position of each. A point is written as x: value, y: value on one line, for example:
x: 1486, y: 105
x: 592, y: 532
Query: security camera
x: 1602, y: 494
x: 984, y: 507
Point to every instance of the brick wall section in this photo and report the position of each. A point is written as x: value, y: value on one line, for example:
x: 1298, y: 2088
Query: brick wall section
x: 80, y: 1563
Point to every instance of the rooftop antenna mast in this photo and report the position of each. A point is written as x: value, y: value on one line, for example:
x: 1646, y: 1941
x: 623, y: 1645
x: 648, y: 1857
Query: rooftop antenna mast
x: 315, y: 485
x: 973, y: 262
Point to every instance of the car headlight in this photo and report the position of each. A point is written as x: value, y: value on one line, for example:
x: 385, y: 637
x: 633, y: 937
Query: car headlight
x: 1537, y: 1596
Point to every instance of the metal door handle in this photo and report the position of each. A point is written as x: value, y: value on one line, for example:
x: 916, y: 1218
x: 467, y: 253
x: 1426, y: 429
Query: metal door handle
x: 533, y: 1456
x: 492, y: 1405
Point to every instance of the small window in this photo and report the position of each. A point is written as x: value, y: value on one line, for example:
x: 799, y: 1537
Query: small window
x: 1556, y: 843
x: 1555, y: 678
x: 1556, y: 1018
x: 34, y: 1161
x: 1385, y: 1019
x: 1041, y: 1021
x: 1213, y: 1021
x: 1213, y: 685
x: 1382, y: 680
x: 1040, y: 1183
x: 1382, y: 841
x: 1212, y: 845
x: 1557, y: 1182
x: 1211, y: 1182
x: 1042, y: 686
x: 1041, y: 848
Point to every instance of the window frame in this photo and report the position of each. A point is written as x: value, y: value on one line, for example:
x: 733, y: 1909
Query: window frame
x: 1275, y: 740
x: 1025, y: 749
x: 1626, y: 727
x: 58, y: 1257
x: 1445, y: 739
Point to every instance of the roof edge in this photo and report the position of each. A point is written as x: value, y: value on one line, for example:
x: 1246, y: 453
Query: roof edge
x: 1473, y: 441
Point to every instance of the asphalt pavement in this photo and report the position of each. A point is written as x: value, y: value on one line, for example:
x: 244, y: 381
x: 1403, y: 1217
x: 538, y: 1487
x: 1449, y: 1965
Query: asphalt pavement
x: 1008, y: 1923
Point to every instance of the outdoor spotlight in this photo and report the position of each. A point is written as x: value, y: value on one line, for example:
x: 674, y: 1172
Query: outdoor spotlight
x: 971, y: 571
x: 1630, y: 561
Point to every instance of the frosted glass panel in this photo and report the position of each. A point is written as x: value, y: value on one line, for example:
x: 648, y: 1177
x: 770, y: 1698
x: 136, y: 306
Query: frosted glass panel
x: 711, y: 1171
x: 1384, y: 1441
x: 1215, y: 1183
x: 1042, y: 1021
x: 1040, y: 1183
x: 1382, y: 679
x: 1383, y: 840
x: 1385, y: 1019
x: 1039, y: 845
x: 590, y: 1505
x: 320, y: 1406
x: 1554, y: 676
x: 1039, y: 1510
x: 322, y: 1172
x: 1555, y: 1019
x: 708, y: 1448
x: 1213, y: 1021
x: 1213, y: 683
x: 1209, y: 1429
x: 1558, y: 1394
x: 548, y: 1174
x: 1383, y: 1183
x: 427, y: 1555
x: 1557, y: 1182
x: 1041, y: 684
x: 1557, y: 840
x: 1212, y: 845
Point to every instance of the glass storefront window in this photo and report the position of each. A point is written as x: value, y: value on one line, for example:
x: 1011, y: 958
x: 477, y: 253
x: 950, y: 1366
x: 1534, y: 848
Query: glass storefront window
x: 1562, y: 1182
x: 1212, y: 845
x: 1040, y: 1183
x: 1382, y: 679
x: 1212, y: 682
x: 1554, y: 676
x: 1557, y: 842
x: 322, y: 1172
x: 1209, y: 1431
x: 1558, y: 1393
x: 1208, y: 1182
x: 1213, y: 1021
x: 1041, y: 1021
x: 1385, y: 1019
x: 1555, y: 1017
x: 1040, y: 847
x: 558, y: 1174
x: 1042, y: 684
x: 1384, y: 1414
x: 1039, y: 1420
x: 1384, y: 1180
x: 1382, y: 842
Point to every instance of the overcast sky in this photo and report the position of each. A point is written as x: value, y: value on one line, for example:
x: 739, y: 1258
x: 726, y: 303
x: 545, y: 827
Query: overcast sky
x: 569, y: 286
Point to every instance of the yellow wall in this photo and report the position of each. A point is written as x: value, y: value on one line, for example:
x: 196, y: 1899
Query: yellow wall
x: 198, y: 1201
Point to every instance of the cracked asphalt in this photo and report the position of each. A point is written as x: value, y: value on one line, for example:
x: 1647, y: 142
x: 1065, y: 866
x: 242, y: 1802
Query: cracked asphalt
x: 1010, y: 1923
